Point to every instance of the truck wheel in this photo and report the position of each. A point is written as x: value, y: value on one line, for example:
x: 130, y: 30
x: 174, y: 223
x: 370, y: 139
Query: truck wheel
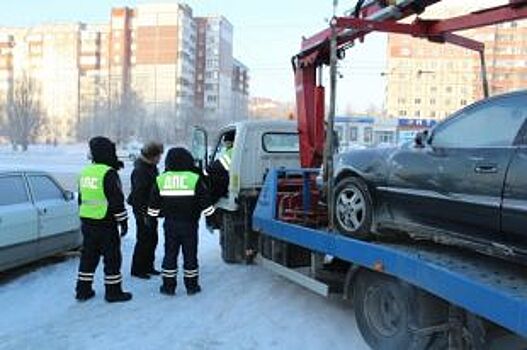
x: 353, y: 208
x: 230, y: 240
x: 384, y: 309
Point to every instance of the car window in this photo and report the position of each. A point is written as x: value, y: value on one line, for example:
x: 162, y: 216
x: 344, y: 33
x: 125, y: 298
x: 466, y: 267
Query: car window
x: 13, y: 190
x: 43, y: 188
x: 495, y: 123
x: 280, y: 142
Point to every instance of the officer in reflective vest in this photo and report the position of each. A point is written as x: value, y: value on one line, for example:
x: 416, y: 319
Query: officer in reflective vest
x: 102, y: 213
x: 218, y: 172
x: 180, y: 196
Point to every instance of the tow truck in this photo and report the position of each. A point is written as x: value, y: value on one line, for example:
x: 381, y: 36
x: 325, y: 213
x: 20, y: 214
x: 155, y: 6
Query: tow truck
x: 405, y: 294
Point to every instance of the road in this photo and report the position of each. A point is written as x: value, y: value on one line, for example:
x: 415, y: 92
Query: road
x: 241, y: 307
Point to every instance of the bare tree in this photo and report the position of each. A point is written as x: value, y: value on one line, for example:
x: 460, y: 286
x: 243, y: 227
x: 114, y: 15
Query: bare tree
x: 120, y: 116
x: 25, y: 117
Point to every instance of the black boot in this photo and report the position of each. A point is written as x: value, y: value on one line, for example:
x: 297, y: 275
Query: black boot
x: 154, y: 272
x: 194, y: 290
x: 192, y: 285
x: 168, y: 287
x: 141, y: 275
x: 115, y: 294
x: 84, y: 291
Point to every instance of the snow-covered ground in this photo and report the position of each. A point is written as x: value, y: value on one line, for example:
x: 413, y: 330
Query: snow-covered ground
x: 64, y: 162
x: 241, y: 307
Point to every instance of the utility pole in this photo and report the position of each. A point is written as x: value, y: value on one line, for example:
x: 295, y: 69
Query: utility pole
x: 331, y: 119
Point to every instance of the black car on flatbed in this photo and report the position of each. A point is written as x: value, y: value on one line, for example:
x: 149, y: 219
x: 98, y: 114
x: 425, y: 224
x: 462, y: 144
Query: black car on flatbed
x: 464, y: 182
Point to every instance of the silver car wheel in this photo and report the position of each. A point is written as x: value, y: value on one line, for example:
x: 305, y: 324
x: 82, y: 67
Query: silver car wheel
x: 351, y: 208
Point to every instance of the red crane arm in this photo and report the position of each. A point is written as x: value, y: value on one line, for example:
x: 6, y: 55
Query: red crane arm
x: 376, y: 15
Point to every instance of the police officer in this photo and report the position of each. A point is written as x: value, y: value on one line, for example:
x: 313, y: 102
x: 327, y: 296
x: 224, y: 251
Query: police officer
x: 218, y: 171
x: 180, y: 195
x: 217, y: 176
x: 102, y: 213
x: 143, y: 178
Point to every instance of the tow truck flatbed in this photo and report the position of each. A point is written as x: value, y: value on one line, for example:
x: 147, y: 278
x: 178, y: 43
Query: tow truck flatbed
x: 490, y: 288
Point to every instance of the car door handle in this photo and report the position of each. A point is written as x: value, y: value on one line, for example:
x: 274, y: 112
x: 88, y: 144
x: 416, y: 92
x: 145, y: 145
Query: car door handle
x: 43, y: 211
x: 486, y: 169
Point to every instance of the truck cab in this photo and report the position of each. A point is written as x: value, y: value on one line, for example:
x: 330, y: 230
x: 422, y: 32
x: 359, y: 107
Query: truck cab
x: 259, y: 145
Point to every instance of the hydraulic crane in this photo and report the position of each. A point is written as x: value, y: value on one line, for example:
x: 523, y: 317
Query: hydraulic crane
x: 328, y: 46
x: 375, y: 16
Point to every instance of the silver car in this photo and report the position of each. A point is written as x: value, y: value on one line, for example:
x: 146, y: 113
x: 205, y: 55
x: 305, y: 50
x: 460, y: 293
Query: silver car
x: 38, y: 218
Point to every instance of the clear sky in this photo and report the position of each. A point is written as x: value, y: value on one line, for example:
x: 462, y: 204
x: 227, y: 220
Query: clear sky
x: 266, y: 35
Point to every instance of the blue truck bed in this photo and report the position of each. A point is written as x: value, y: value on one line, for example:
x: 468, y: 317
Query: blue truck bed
x: 493, y: 289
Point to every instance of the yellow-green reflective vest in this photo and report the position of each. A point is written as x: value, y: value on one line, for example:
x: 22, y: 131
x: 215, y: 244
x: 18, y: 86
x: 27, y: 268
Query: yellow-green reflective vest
x: 177, y: 183
x: 94, y: 204
x: 226, y: 158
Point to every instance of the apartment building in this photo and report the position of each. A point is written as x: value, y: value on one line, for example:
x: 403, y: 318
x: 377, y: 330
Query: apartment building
x: 179, y: 68
x: 48, y: 55
x: 93, y: 69
x: 215, y: 64
x: 427, y: 80
x: 163, y: 56
x: 240, y: 91
x: 7, y: 43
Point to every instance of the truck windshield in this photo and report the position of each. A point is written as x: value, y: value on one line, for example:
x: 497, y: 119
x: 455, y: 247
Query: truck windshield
x: 280, y: 142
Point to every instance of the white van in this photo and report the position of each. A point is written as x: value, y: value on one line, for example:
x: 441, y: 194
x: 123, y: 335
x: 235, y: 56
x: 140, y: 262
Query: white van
x: 259, y: 145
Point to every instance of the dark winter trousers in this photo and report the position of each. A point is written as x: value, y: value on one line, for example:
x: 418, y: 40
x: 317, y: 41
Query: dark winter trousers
x: 145, y: 246
x: 105, y: 241
x: 181, y: 236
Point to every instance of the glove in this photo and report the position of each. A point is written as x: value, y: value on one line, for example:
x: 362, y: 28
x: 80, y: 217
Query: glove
x: 210, y: 225
x: 123, y: 226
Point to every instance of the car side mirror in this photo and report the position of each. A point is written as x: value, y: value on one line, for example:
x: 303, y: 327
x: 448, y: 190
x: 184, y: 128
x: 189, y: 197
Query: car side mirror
x: 69, y: 196
x: 421, y: 139
x: 200, y: 147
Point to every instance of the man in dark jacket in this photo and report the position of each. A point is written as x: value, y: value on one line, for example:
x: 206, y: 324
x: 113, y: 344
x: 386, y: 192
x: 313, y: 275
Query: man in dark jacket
x: 180, y: 195
x: 102, y: 213
x: 143, y: 178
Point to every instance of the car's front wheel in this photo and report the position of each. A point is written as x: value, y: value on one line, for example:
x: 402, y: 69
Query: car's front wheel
x: 353, y: 208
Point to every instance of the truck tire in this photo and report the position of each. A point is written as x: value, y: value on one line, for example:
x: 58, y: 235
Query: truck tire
x: 388, y: 313
x: 231, y: 240
x: 353, y: 208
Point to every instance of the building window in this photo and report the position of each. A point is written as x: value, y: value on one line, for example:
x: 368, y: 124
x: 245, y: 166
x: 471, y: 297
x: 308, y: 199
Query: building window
x: 417, y: 113
x: 417, y: 101
x: 432, y: 101
x: 384, y: 137
x: 402, y: 113
x: 368, y: 134
x: 464, y: 102
x: 354, y: 134
x: 449, y: 89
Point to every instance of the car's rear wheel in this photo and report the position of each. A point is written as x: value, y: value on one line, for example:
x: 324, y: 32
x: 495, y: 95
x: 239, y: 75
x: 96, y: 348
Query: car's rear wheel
x: 353, y: 208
